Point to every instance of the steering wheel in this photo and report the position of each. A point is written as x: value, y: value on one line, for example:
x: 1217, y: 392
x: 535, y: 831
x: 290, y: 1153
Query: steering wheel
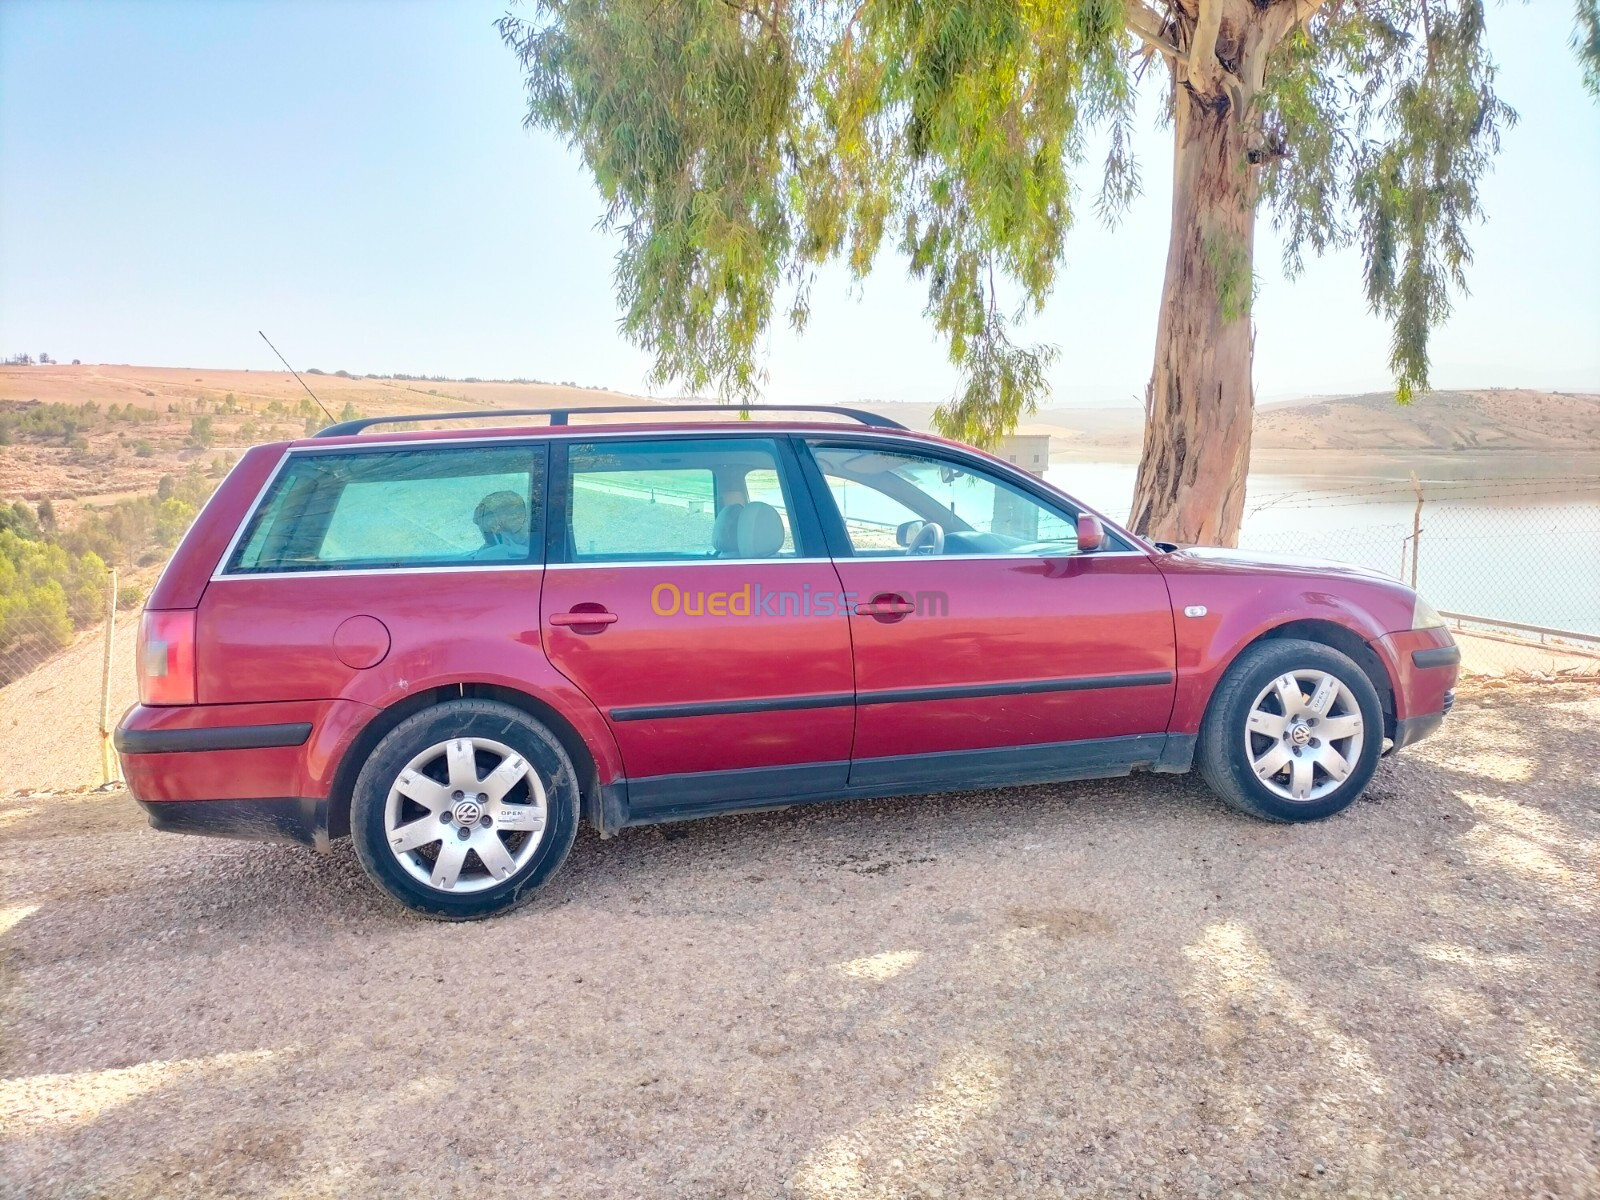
x: 927, y: 540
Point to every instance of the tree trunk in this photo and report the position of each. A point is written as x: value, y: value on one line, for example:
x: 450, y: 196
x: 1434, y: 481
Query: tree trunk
x: 1200, y: 402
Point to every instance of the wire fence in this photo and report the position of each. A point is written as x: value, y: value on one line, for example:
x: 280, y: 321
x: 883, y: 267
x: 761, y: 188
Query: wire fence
x: 1519, y: 585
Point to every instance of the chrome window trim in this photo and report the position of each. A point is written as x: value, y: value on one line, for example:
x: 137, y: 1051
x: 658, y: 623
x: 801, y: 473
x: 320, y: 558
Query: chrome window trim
x: 446, y: 568
x: 601, y: 565
x: 438, y: 569
x: 220, y: 571
x: 589, y: 433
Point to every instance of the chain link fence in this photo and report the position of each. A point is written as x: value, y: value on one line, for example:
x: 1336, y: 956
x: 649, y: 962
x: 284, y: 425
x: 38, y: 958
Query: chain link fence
x: 1520, y: 587
x: 63, y: 684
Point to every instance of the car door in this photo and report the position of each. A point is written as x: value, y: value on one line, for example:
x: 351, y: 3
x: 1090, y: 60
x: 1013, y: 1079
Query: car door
x: 691, y: 597
x: 986, y: 645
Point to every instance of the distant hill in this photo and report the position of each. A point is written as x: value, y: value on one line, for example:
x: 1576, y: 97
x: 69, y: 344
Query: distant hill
x: 115, y: 450
x: 1494, y: 419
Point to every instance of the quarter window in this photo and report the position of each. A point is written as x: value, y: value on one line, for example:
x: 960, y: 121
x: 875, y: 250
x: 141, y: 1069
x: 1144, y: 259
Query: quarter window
x: 377, y: 509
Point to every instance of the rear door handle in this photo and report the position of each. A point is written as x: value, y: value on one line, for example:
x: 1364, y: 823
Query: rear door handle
x: 583, y: 618
x: 887, y: 606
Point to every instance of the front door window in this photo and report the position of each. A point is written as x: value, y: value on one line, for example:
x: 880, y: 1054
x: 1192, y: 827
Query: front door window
x: 894, y: 503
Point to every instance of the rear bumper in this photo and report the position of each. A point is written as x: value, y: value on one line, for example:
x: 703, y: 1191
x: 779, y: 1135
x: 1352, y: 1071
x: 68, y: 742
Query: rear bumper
x: 213, y: 752
x: 263, y: 772
x: 298, y: 819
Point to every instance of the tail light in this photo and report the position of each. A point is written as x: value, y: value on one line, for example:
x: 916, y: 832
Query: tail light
x: 166, y: 657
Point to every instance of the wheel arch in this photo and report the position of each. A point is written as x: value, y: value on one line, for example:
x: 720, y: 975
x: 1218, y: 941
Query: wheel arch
x: 1349, y: 643
x: 375, y: 730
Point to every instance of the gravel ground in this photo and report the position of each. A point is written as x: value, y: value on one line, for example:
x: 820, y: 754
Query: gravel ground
x: 1114, y: 988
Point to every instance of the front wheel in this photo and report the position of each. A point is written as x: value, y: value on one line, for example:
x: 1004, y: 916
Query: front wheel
x: 465, y: 809
x: 1293, y: 732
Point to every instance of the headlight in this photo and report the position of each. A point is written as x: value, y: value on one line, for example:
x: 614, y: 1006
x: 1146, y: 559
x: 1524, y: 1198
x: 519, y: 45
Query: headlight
x: 1425, y: 616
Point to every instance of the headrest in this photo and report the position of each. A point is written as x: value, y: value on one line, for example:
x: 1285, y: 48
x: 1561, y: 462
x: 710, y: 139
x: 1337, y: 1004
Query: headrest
x: 760, y: 530
x: 501, y: 512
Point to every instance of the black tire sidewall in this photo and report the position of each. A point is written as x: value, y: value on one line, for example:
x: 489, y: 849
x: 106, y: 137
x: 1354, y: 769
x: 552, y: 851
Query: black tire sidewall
x: 464, y: 718
x: 1223, y: 761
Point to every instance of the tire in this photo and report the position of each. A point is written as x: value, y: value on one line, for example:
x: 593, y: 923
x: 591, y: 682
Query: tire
x: 1270, y: 756
x: 427, y: 834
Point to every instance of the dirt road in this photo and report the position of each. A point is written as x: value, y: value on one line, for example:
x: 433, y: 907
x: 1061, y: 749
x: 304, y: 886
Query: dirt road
x: 1097, y: 989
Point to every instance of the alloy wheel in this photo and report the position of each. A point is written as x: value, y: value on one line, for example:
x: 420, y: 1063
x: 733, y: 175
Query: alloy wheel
x: 465, y: 814
x: 1304, y: 734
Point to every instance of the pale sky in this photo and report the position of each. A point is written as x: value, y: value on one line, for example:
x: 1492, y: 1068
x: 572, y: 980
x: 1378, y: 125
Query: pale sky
x: 354, y: 178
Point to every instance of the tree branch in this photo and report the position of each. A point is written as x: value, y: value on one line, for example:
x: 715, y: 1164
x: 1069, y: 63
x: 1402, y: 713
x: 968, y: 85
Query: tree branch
x: 1204, y: 67
x: 1148, y: 24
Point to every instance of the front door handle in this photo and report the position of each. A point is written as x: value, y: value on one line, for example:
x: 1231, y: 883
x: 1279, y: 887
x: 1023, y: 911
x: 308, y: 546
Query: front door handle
x: 888, y: 606
x: 597, y: 617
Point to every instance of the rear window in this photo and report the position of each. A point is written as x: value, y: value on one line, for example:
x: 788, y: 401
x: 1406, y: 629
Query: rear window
x: 378, y: 509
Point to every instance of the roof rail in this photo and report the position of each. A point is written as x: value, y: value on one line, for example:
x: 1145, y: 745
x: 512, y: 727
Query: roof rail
x: 559, y: 416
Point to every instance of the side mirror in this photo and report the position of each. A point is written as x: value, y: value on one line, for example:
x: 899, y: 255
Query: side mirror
x: 1091, y: 534
x: 906, y: 530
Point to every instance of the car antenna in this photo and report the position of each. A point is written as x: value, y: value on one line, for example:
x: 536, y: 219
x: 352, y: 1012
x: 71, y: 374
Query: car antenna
x: 296, y: 374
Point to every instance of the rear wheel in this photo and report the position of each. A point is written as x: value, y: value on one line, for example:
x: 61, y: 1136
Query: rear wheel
x: 1293, y: 732
x: 465, y: 809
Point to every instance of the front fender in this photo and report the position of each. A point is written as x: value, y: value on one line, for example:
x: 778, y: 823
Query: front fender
x: 1216, y: 617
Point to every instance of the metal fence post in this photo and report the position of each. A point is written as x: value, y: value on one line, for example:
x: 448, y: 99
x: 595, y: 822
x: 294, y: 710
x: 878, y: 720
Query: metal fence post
x: 1416, y: 530
x: 108, y: 762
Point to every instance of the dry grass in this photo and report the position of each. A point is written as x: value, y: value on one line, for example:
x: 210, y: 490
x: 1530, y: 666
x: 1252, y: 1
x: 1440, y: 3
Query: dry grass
x: 1113, y: 988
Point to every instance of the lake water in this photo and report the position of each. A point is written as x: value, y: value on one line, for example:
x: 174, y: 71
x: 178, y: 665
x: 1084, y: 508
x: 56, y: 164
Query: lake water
x: 1508, y: 535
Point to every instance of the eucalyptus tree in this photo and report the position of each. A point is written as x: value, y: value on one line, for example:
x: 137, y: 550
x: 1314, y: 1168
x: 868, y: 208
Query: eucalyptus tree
x: 739, y: 144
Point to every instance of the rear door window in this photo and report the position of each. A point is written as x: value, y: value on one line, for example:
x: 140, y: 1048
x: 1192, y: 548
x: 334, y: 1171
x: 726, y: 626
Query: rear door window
x: 677, y: 499
x: 399, y: 509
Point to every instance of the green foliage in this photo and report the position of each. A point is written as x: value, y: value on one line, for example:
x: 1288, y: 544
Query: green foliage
x: 1230, y: 265
x: 739, y: 145
x: 201, y: 433
x: 1390, y: 120
x: 18, y: 518
x: 125, y: 532
x: 737, y: 149
x: 1586, y: 41
x: 44, y: 592
x: 66, y: 423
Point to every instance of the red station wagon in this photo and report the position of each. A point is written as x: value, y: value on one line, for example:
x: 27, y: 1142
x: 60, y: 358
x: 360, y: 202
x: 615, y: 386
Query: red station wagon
x: 454, y: 645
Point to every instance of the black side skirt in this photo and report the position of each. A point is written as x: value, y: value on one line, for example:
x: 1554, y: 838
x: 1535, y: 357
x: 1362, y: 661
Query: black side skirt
x: 660, y: 798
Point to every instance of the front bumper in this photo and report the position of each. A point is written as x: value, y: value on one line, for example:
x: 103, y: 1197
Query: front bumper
x: 1410, y: 730
x: 298, y: 819
x: 1423, y: 665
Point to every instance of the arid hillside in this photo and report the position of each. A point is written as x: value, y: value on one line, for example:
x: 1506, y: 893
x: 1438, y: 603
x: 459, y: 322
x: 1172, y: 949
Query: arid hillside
x: 1487, y: 420
x: 147, y: 422
x: 1493, y: 419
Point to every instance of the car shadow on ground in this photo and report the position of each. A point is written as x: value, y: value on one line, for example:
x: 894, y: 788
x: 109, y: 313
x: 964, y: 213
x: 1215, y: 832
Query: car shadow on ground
x: 981, y: 993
